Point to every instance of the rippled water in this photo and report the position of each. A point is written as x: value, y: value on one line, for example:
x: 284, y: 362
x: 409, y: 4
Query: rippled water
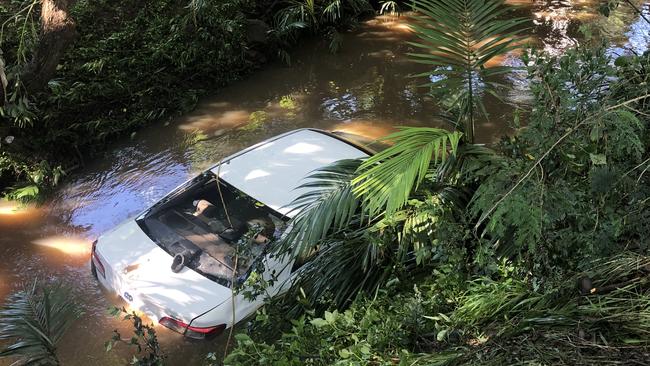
x: 365, y: 90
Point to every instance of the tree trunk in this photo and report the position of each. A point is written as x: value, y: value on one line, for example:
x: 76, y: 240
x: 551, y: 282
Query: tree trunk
x: 57, y: 33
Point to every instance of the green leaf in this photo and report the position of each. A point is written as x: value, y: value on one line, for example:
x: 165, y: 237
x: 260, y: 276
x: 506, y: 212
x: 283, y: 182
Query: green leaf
x: 345, y: 353
x: 441, y: 335
x: 331, y: 317
x: 318, y: 322
x: 459, y: 41
x: 329, y: 205
x: 386, y: 180
x: 598, y: 159
x: 36, y: 318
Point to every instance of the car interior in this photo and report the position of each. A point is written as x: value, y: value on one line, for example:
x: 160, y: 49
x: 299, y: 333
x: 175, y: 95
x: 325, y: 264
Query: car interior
x: 208, y: 225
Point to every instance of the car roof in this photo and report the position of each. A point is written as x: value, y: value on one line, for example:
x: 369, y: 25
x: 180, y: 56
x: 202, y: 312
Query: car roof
x: 271, y: 171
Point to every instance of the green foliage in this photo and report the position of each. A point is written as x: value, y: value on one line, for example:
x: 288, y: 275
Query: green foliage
x: 144, y: 339
x: 387, y: 179
x: 131, y: 65
x: 326, y: 17
x: 35, y: 176
x: 577, y: 162
x: 607, y: 7
x: 458, y: 40
x: 330, y: 205
x: 173, y: 53
x: 35, y: 319
x: 533, y: 253
x: 346, y: 251
x: 608, y: 309
x: 380, y: 330
x: 18, y: 35
x: 593, y: 316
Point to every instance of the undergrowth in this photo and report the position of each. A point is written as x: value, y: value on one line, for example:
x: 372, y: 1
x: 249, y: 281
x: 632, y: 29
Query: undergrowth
x: 546, y: 263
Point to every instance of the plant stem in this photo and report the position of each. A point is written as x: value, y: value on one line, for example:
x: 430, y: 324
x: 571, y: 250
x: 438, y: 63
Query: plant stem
x: 470, y: 109
x: 639, y: 11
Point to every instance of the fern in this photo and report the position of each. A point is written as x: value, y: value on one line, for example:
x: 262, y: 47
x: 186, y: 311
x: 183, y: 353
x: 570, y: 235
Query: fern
x: 517, y: 221
x: 624, y: 134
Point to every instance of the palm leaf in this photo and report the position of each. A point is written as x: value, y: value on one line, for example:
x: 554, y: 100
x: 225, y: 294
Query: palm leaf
x: 344, y: 265
x: 386, y: 180
x: 329, y: 206
x: 457, y: 40
x: 333, y: 10
x: 347, y: 251
x: 36, y: 319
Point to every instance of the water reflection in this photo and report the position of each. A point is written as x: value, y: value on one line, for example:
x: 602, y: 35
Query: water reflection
x: 638, y: 37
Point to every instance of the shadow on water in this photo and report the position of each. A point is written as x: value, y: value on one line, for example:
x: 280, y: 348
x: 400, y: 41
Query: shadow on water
x: 364, y: 90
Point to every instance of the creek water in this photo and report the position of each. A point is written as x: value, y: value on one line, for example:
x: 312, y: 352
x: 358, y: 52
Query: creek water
x: 365, y: 89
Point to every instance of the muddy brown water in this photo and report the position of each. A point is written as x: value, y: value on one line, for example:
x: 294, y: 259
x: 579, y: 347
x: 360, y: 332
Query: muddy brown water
x: 364, y: 90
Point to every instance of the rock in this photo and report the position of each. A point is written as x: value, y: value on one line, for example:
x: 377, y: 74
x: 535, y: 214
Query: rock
x: 256, y: 31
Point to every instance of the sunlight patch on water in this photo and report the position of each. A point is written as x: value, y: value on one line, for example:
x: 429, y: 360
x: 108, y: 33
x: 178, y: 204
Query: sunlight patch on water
x: 371, y: 130
x: 16, y: 214
x: 211, y: 121
x: 66, y: 245
x: 10, y: 208
x: 214, y: 119
x: 392, y: 22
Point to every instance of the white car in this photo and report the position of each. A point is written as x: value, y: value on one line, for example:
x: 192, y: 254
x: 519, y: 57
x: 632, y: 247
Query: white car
x: 175, y: 261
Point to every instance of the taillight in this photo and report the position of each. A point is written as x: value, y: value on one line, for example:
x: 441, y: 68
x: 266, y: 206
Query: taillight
x: 190, y: 331
x: 99, y: 266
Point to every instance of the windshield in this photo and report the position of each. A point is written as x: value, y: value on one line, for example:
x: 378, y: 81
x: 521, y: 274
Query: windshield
x: 211, y: 227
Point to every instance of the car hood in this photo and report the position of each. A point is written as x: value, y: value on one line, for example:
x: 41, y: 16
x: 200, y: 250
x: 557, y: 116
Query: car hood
x: 143, y: 269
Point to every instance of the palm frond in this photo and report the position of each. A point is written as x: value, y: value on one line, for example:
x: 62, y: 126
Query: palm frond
x: 344, y: 266
x: 36, y: 318
x: 458, y: 39
x: 329, y: 206
x: 389, y: 7
x: 333, y: 10
x: 467, y: 163
x: 387, y: 179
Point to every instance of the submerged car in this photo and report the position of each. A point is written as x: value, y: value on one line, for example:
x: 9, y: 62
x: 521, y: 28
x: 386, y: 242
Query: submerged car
x: 177, y: 260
